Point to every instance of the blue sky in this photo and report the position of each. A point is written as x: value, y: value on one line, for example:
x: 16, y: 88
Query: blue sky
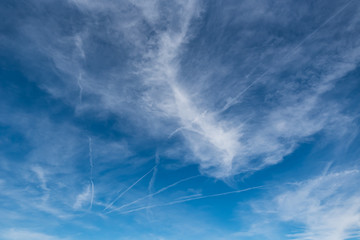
x: 173, y: 120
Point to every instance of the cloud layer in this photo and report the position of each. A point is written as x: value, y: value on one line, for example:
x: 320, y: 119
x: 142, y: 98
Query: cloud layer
x: 115, y: 114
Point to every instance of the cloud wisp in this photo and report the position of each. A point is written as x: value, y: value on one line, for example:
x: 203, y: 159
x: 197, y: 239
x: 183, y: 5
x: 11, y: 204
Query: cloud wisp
x: 19, y: 234
x: 225, y: 93
x: 326, y: 207
x: 41, y: 176
x: 83, y: 197
x: 148, y: 81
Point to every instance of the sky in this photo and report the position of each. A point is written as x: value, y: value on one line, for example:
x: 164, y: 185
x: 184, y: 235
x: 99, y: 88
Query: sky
x: 179, y: 119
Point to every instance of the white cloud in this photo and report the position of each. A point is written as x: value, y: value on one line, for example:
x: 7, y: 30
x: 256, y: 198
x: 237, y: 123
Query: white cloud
x: 328, y: 206
x: 84, y: 197
x: 226, y: 146
x: 213, y: 143
x: 153, y: 95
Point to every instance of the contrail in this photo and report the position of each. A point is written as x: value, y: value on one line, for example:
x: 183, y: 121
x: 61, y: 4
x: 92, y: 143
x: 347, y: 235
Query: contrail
x: 91, y: 158
x: 80, y: 87
x: 122, y: 194
x: 176, y: 131
x: 92, y: 193
x: 91, y: 172
x: 230, y: 103
x: 292, y: 51
x: 155, y: 193
x: 153, y: 177
x: 189, y: 196
x: 190, y: 199
x: 322, y: 25
x: 188, y: 128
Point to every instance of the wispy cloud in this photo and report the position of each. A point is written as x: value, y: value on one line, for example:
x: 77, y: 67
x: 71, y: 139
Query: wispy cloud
x: 92, y: 89
x: 41, y: 176
x: 154, y: 80
x: 222, y: 143
x: 326, y: 207
x: 84, y: 197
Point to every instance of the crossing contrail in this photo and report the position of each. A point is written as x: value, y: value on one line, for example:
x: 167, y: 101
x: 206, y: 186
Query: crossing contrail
x: 292, y: 51
x: 155, y: 193
x: 129, y: 188
x: 191, y: 199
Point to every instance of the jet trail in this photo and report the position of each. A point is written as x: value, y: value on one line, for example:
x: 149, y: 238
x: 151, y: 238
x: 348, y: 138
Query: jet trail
x: 80, y: 87
x: 129, y: 188
x: 91, y: 172
x: 155, y: 193
x: 153, y: 177
x: 92, y: 194
x: 191, y: 199
x: 233, y: 101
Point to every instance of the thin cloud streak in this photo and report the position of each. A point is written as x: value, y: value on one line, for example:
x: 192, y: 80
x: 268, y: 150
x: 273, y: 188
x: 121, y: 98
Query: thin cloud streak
x: 41, y: 176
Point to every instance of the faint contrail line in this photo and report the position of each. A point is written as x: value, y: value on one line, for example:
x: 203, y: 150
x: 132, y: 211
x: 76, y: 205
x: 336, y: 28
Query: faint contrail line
x: 189, y: 196
x: 292, y: 51
x: 91, y: 172
x: 92, y: 194
x: 80, y: 87
x: 176, y: 131
x: 131, y: 186
x: 91, y: 158
x: 155, y: 193
x: 322, y: 25
x: 190, y: 199
x: 188, y: 128
x: 153, y: 177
